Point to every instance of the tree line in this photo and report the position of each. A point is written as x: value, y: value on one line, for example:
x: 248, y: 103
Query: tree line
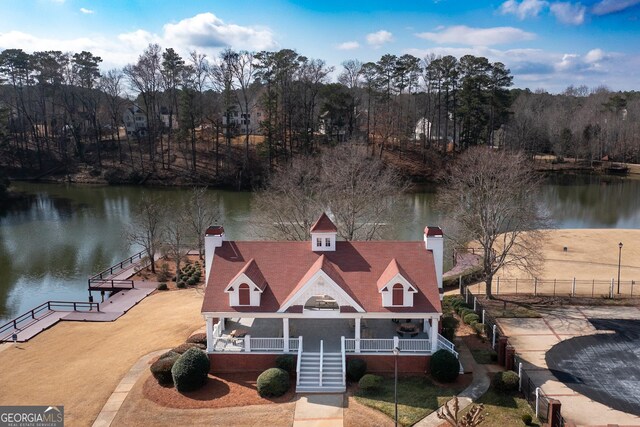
x: 200, y: 115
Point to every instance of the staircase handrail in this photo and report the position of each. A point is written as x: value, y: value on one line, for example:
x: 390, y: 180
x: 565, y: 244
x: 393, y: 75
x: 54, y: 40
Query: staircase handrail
x: 299, y: 359
x: 321, y: 360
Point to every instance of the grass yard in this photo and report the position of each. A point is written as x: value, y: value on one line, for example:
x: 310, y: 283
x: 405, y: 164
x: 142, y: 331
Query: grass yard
x: 417, y: 398
x: 504, y: 410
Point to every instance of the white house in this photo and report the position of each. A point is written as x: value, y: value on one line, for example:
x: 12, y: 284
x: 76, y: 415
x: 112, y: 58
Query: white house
x: 423, y: 129
x: 135, y: 121
x: 323, y: 301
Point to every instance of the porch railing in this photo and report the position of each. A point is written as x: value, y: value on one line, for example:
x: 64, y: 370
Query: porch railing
x: 299, y: 361
x: 266, y: 344
x: 444, y: 343
x: 293, y: 344
x: 415, y: 346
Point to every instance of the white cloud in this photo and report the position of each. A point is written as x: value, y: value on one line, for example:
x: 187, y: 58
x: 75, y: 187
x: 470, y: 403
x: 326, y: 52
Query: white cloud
x: 379, y: 38
x: 605, y: 7
x: 348, y: 45
x: 595, y: 55
x: 461, y: 34
x: 206, y: 30
x: 86, y: 11
x: 523, y: 9
x: 569, y: 13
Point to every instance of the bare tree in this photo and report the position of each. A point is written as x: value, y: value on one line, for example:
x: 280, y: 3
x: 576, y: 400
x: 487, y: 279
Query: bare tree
x: 176, y: 237
x: 199, y: 215
x: 450, y: 413
x: 492, y: 199
x: 146, y: 228
x: 290, y: 203
x: 362, y: 195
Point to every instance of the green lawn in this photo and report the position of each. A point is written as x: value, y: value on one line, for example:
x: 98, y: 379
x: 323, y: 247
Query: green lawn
x: 503, y: 410
x: 417, y: 398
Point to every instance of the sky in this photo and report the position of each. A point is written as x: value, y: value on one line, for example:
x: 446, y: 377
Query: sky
x: 547, y: 44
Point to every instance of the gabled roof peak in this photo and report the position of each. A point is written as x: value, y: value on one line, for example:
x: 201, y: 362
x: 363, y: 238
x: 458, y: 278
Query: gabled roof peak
x: 393, y: 269
x: 324, y: 224
x: 252, y: 271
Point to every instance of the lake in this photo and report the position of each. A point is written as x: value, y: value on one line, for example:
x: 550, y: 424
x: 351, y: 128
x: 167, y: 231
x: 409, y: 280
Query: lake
x: 51, y: 242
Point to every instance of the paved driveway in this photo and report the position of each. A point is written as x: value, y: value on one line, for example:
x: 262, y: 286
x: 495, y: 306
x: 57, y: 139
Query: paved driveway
x: 582, y: 356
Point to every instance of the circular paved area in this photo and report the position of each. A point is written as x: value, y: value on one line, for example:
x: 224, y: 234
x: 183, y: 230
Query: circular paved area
x: 603, y: 367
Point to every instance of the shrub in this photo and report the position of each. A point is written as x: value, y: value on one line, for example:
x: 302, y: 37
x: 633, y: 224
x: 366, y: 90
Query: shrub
x: 181, y: 284
x: 356, y: 368
x: 273, y: 382
x: 191, y: 370
x: 479, y: 327
x: 286, y: 362
x: 169, y: 353
x: 444, y: 366
x: 463, y: 311
x: 162, y: 287
x: 449, y: 327
x: 505, y: 382
x: 369, y: 383
x: 471, y: 317
x: 182, y: 348
x: 161, y: 368
x: 192, y: 281
x: 527, y: 419
x: 199, y: 338
x: 163, y: 274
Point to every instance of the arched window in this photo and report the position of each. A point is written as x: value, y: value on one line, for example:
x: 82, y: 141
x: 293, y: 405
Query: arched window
x: 398, y: 294
x: 244, y: 294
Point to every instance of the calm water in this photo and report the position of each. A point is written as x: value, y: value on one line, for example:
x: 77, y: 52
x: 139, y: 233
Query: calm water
x: 52, y: 242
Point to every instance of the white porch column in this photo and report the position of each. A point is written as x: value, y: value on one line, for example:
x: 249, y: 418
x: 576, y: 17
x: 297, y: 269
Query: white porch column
x: 357, y: 335
x: 285, y: 333
x: 209, y: 334
x: 221, y: 326
x: 425, y: 325
x: 434, y: 334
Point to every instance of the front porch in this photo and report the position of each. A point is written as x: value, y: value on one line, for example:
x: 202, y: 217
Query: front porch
x: 366, y: 335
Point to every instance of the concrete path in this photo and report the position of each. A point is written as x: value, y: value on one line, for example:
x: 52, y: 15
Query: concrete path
x: 319, y: 410
x: 477, y: 388
x: 110, y: 409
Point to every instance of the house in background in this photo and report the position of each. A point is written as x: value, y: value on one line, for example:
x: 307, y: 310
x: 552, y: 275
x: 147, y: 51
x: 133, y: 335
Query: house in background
x: 238, y: 120
x: 323, y: 301
x: 135, y: 121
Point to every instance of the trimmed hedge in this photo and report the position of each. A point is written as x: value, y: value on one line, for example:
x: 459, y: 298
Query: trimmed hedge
x: 470, y: 318
x: 162, y: 287
x: 199, y: 338
x: 527, y: 419
x: 161, y: 368
x: 444, y: 366
x: 286, y: 362
x: 191, y: 370
x: 505, y: 382
x: 449, y: 326
x: 273, y: 382
x: 369, y: 383
x: 356, y: 368
x: 479, y: 328
x: 182, y: 348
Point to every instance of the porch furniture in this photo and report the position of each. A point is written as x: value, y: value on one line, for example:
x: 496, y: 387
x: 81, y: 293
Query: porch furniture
x: 238, y: 333
x: 408, y: 329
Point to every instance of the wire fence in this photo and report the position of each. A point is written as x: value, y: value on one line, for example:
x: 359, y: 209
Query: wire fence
x: 561, y: 287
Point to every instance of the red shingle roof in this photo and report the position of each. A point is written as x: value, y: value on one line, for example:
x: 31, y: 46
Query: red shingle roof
x: 252, y: 271
x: 324, y: 224
x: 433, y: 231
x: 355, y: 266
x: 392, y: 269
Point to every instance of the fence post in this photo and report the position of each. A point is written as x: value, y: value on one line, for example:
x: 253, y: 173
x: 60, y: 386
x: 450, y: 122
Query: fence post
x: 483, y: 311
x: 593, y: 287
x: 611, y: 289
x: 493, y: 338
x: 535, y: 286
x: 573, y: 288
x: 554, y: 287
x: 475, y: 300
x: 520, y: 376
x: 498, y: 287
x: 516, y: 286
x: 537, y: 398
x: 633, y: 282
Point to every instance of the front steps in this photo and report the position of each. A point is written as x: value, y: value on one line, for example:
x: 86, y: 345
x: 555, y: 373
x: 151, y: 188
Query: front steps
x: 309, y: 375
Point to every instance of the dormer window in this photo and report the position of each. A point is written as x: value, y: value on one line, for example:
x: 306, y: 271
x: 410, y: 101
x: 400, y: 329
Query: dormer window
x: 397, y: 297
x: 323, y: 231
x: 246, y: 288
x: 244, y: 294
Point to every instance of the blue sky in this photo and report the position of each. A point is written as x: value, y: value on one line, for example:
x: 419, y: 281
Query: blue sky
x: 547, y: 44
